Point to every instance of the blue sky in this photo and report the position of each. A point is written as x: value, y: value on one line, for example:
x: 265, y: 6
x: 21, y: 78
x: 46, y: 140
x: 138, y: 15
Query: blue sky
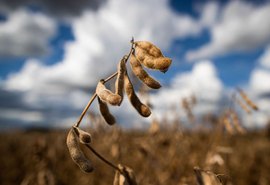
x: 53, y: 54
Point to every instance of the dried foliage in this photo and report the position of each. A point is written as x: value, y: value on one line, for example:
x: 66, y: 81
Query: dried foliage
x: 168, y: 157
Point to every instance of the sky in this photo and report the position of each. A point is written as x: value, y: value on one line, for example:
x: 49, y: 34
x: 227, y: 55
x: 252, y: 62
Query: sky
x: 53, y: 53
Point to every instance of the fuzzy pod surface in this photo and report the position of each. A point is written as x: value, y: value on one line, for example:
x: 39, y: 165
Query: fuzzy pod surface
x: 151, y: 56
x: 84, y: 136
x: 119, y: 83
x: 106, y: 95
x: 141, y: 108
x: 105, y: 112
x: 138, y: 70
x: 76, y: 153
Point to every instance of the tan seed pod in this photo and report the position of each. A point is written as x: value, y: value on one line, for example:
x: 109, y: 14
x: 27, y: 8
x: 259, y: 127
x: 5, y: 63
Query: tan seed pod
x: 185, y: 103
x: 29, y: 180
x: 116, y: 180
x: 76, y: 153
x: 161, y: 63
x: 206, y: 177
x: 151, y: 56
x: 142, y: 109
x: 140, y: 55
x: 45, y: 177
x: 236, y: 122
x: 119, y: 83
x: 84, y: 137
x: 227, y: 124
x: 106, y: 95
x: 142, y: 74
x: 104, y: 110
x: 154, y: 127
x: 149, y: 48
x: 243, y: 106
x: 187, y: 107
x: 126, y: 177
x: 247, y: 100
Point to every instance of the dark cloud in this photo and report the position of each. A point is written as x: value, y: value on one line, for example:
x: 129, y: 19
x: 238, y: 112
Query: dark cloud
x: 265, y: 95
x: 54, y: 7
x: 16, y: 113
x: 10, y: 99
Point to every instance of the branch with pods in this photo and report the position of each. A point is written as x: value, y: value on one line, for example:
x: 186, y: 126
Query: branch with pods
x: 142, y: 54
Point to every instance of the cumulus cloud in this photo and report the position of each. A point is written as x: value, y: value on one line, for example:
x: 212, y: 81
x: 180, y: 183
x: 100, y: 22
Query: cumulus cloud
x: 259, y: 90
x: 59, y: 8
x: 26, y: 33
x: 265, y: 58
x: 259, y: 82
x: 260, y: 76
x: 240, y: 27
x: 209, y: 13
x: 101, y: 38
x: 202, y: 81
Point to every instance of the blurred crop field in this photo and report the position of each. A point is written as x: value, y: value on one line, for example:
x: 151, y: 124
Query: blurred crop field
x: 167, y: 156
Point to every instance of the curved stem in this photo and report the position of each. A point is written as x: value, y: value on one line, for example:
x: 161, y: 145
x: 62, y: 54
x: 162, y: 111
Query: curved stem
x: 102, y: 158
x: 85, y: 110
x: 106, y: 80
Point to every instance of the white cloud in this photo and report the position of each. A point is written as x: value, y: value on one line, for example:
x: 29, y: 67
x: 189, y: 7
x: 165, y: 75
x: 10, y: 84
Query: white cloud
x: 202, y: 82
x: 24, y: 116
x: 260, y: 76
x: 259, y: 91
x: 101, y: 39
x: 209, y: 14
x: 259, y: 82
x: 241, y: 27
x: 265, y: 58
x: 25, y: 34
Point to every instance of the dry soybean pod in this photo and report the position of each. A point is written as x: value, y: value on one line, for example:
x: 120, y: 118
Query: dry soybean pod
x: 142, y: 109
x: 152, y: 62
x: 142, y: 74
x: 140, y: 55
x: 104, y: 110
x: 119, y: 83
x: 84, y: 136
x: 247, y: 100
x: 162, y: 63
x: 243, y: 106
x: 150, y: 48
x: 116, y: 180
x: 127, y: 176
x: 206, y: 177
x: 76, y: 153
x: 227, y: 124
x: 236, y: 122
x: 106, y: 95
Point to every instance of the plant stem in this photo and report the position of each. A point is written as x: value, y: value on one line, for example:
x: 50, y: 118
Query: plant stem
x: 106, y: 80
x: 102, y: 158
